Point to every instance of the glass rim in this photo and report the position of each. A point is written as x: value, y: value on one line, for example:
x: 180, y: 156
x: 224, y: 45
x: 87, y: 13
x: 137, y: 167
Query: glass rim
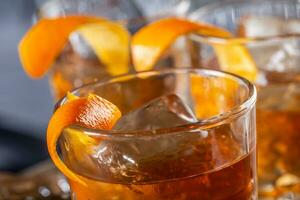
x: 214, y: 121
x: 208, y: 8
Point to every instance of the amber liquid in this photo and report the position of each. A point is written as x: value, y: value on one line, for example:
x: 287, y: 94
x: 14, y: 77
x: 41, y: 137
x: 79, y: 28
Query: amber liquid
x: 233, y: 182
x: 278, y: 131
x: 209, y: 167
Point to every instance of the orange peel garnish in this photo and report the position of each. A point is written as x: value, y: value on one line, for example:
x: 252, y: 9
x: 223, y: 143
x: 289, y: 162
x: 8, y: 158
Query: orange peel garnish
x: 236, y: 59
x: 110, y: 42
x: 41, y: 45
x: 90, y: 112
x: 150, y: 42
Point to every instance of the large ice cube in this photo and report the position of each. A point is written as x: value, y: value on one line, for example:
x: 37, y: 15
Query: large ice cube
x: 256, y: 26
x: 287, y: 58
x: 163, y: 112
x: 293, y: 26
x: 263, y: 26
x: 280, y: 55
x: 142, y: 159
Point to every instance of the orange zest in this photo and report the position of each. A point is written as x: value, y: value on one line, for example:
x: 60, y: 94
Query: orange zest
x: 45, y: 40
x: 236, y: 59
x: 150, y: 42
x: 90, y: 112
x: 110, y: 42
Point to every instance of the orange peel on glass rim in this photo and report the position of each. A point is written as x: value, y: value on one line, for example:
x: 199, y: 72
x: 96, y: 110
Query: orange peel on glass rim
x: 90, y: 112
x: 150, y: 42
x: 41, y: 45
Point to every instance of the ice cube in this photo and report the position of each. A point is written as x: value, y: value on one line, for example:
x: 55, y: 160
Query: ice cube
x: 287, y: 58
x: 165, y: 156
x: 163, y: 112
x: 135, y: 159
x: 142, y: 159
x: 263, y: 26
x: 277, y: 56
x: 293, y: 26
x: 281, y: 55
x: 258, y: 26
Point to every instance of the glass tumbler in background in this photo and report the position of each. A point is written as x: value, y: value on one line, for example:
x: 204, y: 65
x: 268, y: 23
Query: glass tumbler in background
x: 78, y: 64
x: 164, y: 147
x: 269, y: 30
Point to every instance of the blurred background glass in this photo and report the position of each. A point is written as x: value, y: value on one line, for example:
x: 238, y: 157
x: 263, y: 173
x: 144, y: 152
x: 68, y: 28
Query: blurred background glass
x: 271, y: 28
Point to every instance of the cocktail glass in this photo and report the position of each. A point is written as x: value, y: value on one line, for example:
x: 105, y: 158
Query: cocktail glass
x: 172, y: 142
x: 269, y: 30
x: 78, y: 64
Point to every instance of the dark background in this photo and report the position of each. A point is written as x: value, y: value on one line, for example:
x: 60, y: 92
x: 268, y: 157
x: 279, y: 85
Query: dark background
x: 25, y: 104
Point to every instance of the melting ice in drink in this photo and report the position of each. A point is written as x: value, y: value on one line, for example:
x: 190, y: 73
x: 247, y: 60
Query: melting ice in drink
x: 190, y: 164
x: 163, y: 112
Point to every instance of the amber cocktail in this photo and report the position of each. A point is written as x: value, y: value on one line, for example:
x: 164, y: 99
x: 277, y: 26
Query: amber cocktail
x: 175, y: 134
x: 269, y: 31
